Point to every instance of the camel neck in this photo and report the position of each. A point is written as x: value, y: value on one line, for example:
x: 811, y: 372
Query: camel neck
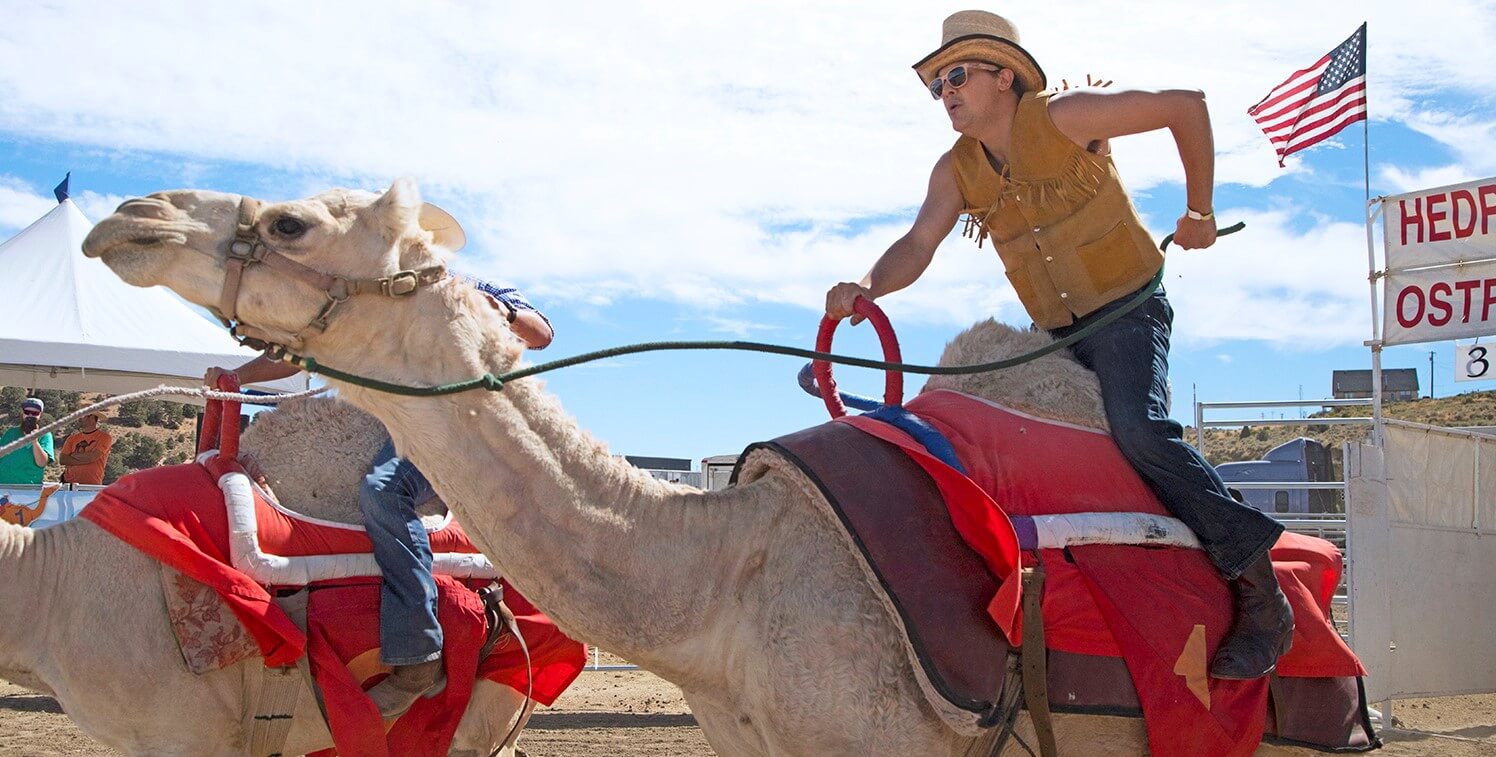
x: 590, y: 539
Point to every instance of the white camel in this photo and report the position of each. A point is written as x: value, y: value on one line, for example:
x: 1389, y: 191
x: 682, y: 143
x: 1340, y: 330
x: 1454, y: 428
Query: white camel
x: 83, y: 615
x: 750, y: 599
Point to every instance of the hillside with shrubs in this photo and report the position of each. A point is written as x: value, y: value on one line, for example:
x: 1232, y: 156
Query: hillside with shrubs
x: 1249, y: 442
x: 146, y: 434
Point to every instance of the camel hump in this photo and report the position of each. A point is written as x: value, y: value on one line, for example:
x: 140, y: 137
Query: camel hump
x: 314, y: 453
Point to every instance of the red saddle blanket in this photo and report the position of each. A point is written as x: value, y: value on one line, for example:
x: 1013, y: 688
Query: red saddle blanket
x: 176, y: 515
x: 1161, y: 610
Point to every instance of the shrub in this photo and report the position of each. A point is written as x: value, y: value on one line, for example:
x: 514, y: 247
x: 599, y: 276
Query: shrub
x: 132, y: 414
x: 132, y: 452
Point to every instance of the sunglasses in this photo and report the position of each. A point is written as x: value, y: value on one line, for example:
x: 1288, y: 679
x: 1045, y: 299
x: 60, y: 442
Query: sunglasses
x: 956, y: 78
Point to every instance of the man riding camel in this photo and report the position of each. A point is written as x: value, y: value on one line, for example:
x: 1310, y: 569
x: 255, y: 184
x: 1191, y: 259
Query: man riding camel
x: 1032, y: 172
x: 410, y: 639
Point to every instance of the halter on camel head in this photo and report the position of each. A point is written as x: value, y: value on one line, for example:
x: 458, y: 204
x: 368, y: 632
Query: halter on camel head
x: 249, y: 248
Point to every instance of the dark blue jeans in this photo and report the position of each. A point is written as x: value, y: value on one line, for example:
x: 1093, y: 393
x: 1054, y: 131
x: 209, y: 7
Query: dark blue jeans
x: 408, y: 631
x: 1130, y: 357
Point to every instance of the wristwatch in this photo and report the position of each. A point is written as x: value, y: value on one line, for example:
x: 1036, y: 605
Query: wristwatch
x: 1194, y: 216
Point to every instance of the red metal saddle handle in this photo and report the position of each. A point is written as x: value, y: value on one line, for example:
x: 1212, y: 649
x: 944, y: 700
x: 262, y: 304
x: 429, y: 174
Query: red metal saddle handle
x: 893, y: 381
x: 221, y: 422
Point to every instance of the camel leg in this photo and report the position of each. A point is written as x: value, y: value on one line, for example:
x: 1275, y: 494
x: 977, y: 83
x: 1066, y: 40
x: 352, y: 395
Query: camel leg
x: 489, y: 717
x: 726, y: 732
x: 1098, y: 735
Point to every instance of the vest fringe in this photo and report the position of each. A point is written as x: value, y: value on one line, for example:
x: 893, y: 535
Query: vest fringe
x: 1079, y: 180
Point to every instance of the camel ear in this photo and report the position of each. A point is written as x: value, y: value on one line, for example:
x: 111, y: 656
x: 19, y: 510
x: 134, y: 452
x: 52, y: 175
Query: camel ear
x: 443, y: 227
x: 399, y: 209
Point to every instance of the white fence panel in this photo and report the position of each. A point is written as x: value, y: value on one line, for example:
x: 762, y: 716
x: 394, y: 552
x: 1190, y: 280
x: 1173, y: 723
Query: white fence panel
x: 1423, y: 599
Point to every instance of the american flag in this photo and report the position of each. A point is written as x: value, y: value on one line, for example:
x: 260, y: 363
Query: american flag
x: 1315, y: 103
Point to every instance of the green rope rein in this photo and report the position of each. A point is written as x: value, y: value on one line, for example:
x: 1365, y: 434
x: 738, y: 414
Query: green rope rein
x: 495, y: 383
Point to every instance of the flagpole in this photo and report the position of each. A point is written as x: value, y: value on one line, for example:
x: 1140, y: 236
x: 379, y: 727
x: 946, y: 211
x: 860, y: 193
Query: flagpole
x: 1371, y: 262
x: 1371, y: 212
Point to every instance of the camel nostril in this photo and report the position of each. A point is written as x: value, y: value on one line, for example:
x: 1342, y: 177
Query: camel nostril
x: 144, y: 207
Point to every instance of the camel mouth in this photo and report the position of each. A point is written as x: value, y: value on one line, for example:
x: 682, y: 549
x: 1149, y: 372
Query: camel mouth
x: 107, y: 239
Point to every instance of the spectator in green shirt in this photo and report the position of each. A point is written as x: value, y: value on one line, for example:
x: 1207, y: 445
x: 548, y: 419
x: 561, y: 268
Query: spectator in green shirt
x: 26, y: 465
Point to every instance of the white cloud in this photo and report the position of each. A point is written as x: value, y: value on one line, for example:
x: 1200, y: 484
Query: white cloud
x: 732, y: 154
x: 1301, y: 276
x: 1400, y: 180
x: 738, y: 327
x: 1226, y: 359
x: 96, y: 206
x: 20, y: 205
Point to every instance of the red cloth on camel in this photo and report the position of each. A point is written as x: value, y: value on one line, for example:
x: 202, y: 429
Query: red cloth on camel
x: 176, y: 514
x: 1141, y: 604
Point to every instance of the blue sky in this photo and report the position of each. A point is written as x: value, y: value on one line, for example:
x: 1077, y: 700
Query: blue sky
x: 645, y: 174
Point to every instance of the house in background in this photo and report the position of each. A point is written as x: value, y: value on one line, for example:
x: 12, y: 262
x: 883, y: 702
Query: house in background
x: 1298, y: 460
x: 673, y: 469
x: 717, y: 471
x: 1398, y: 385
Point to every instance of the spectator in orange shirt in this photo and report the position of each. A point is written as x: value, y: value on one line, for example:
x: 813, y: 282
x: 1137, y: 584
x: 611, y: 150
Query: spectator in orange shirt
x: 85, y: 452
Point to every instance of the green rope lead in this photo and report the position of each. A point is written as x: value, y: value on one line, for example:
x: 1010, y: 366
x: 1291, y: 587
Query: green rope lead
x: 495, y: 383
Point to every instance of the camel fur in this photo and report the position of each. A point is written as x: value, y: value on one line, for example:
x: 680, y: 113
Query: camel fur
x: 83, y: 617
x: 1053, y: 386
x: 747, y: 598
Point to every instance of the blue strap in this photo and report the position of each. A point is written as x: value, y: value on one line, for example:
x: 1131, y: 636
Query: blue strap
x: 897, y: 416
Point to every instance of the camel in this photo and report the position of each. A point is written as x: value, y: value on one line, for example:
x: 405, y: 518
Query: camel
x: 749, y: 599
x: 83, y: 615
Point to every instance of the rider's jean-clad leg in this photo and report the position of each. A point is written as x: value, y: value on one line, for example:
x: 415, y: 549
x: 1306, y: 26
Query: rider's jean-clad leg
x: 408, y: 631
x: 1130, y: 357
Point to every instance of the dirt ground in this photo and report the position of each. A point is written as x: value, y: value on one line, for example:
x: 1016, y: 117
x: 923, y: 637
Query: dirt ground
x: 634, y: 714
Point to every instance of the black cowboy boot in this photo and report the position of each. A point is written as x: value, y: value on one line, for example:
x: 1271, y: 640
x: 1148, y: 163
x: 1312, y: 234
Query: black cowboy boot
x: 1264, y: 626
x: 404, y: 685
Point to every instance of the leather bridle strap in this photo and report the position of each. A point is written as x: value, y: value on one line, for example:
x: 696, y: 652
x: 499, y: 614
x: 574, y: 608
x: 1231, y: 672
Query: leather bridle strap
x: 247, y: 248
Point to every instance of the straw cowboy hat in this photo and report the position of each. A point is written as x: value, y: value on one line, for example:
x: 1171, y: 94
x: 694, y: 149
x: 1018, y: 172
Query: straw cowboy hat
x: 979, y: 35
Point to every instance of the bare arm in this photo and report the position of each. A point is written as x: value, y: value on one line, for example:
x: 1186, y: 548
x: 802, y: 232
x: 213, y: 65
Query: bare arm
x: 38, y: 454
x: 529, y: 325
x: 1087, y: 115
x: 256, y: 371
x: 908, y: 257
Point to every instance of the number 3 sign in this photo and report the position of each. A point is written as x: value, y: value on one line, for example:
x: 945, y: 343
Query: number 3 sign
x: 1473, y: 362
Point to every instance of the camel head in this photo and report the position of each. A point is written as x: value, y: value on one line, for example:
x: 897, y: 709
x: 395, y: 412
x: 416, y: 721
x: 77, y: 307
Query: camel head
x: 182, y: 239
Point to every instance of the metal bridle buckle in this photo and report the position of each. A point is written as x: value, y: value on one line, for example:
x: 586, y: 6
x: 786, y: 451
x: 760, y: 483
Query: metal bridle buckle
x: 339, y: 290
x: 400, y: 284
x: 245, y: 250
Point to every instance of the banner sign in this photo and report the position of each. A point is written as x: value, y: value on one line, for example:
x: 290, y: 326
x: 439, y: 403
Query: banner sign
x: 1474, y: 362
x: 1441, y: 263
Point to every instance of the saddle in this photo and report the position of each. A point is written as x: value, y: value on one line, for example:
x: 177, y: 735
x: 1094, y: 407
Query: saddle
x: 1127, y: 628
x: 229, y: 552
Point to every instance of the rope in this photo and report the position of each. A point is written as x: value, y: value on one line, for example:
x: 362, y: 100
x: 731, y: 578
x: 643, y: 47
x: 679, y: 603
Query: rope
x: 496, y: 383
x: 160, y: 391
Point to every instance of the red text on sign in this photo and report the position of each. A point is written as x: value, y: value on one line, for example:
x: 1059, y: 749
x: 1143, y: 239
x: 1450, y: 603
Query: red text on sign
x: 1444, y: 216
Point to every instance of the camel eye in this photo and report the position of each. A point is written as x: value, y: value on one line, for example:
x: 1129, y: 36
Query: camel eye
x: 287, y: 226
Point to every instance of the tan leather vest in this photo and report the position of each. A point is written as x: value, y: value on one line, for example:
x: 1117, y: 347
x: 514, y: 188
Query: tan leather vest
x: 1068, y: 235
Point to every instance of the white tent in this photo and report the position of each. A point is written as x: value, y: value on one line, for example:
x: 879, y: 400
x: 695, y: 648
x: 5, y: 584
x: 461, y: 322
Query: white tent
x: 67, y: 322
